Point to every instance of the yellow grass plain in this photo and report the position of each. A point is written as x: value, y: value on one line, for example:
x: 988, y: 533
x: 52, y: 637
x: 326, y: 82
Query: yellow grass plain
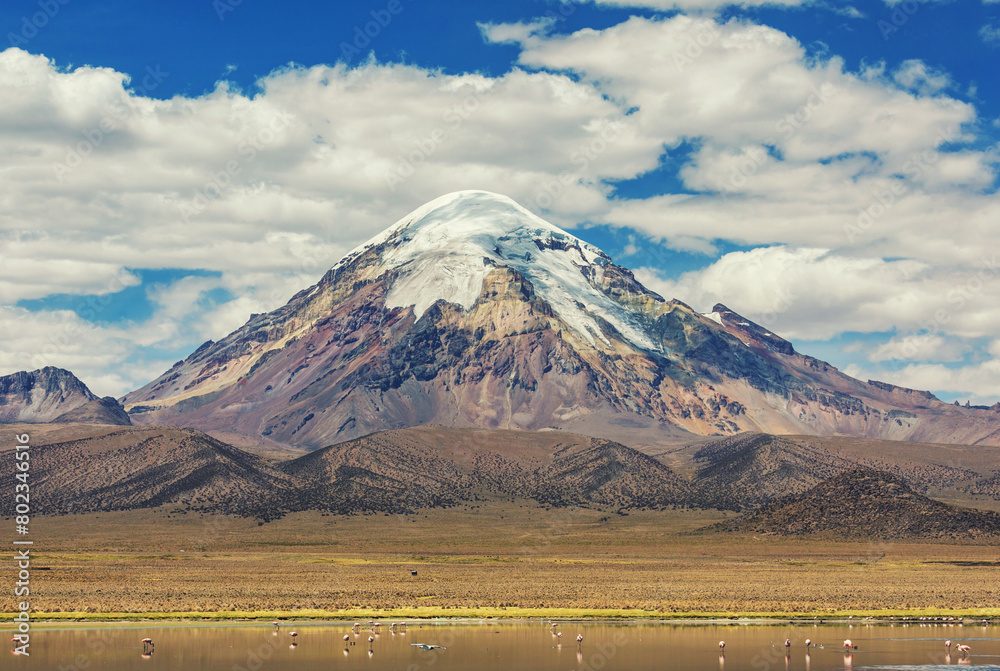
x: 498, y: 560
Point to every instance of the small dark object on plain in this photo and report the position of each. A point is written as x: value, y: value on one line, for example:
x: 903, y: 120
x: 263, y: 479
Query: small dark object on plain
x: 413, y: 573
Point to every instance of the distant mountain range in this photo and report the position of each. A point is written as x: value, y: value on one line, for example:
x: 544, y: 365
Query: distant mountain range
x: 55, y: 395
x: 473, y: 312
x: 783, y: 486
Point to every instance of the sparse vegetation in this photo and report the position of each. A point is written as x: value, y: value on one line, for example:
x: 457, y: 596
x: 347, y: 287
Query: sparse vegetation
x: 600, y: 542
x: 558, y: 563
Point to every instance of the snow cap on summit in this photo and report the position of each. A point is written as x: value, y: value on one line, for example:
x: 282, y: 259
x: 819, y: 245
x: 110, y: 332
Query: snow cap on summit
x: 446, y: 248
x: 471, y: 214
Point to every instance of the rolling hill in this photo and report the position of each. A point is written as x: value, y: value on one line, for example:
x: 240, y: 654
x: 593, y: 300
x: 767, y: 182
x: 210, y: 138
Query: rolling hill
x: 395, y: 472
x: 90, y: 468
x: 750, y: 470
x: 864, y: 503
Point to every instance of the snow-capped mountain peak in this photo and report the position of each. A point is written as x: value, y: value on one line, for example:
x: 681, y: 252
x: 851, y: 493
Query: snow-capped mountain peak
x: 537, y: 330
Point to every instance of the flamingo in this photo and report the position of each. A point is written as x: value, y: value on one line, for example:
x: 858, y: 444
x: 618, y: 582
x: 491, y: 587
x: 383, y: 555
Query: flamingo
x: 579, y: 639
x: 849, y: 645
x: 293, y: 634
x: 722, y: 645
x: 808, y: 643
x: 947, y: 644
x: 964, y: 649
x: 15, y: 643
x: 371, y: 640
x: 346, y: 638
x: 788, y: 643
x: 276, y: 625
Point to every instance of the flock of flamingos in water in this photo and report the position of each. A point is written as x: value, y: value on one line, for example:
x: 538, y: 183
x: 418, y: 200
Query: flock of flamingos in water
x: 374, y: 628
x: 401, y: 628
x: 849, y: 648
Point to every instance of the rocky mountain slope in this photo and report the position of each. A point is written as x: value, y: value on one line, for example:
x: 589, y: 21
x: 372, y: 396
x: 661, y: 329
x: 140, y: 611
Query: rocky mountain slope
x: 55, y: 395
x: 473, y: 312
x: 866, y: 504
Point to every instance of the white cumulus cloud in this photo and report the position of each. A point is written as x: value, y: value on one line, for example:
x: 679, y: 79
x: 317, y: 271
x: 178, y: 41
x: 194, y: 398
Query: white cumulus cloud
x: 869, y: 195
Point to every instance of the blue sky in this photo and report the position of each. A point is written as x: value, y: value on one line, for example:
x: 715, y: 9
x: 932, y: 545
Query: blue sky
x: 827, y: 169
x: 197, y: 40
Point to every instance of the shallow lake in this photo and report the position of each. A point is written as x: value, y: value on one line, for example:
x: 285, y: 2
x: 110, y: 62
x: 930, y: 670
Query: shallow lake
x: 508, y: 646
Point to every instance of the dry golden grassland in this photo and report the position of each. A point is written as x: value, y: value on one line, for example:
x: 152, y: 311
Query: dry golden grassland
x: 498, y: 560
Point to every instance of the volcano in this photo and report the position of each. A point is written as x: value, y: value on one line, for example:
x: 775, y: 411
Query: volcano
x: 473, y: 312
